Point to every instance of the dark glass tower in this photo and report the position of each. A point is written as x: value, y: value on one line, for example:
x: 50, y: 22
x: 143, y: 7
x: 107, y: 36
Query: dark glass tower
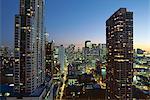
x: 49, y: 50
x: 119, y: 42
x: 29, y: 47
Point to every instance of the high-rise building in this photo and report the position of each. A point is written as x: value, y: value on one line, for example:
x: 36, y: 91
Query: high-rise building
x: 70, y: 50
x: 61, y: 57
x: 102, y: 52
x: 88, y: 44
x: 91, y: 53
x: 119, y: 42
x: 29, y: 47
x: 49, y: 50
x: 7, y: 66
x: 56, y: 69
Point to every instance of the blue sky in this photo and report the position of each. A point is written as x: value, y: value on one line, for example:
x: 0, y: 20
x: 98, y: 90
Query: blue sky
x: 74, y: 21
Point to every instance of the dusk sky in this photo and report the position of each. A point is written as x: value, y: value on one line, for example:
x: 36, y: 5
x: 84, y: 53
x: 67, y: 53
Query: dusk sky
x: 74, y: 21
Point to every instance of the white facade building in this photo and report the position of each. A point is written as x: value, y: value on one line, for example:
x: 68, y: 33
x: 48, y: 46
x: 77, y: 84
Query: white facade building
x: 29, y: 47
x: 61, y: 57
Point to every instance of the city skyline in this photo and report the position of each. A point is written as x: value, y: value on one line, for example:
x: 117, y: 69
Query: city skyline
x: 43, y: 60
x: 67, y: 19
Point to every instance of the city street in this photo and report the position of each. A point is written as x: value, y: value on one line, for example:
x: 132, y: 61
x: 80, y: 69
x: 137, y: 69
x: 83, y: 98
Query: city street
x: 63, y: 85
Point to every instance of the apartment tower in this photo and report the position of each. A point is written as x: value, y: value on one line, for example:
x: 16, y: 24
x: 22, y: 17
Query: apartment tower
x: 119, y: 43
x: 29, y: 47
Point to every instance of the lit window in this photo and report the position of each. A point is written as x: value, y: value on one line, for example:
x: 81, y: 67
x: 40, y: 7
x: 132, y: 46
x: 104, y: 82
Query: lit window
x: 17, y: 49
x: 121, y: 29
x: 29, y: 30
x: 6, y: 94
x: 118, y: 41
x: 123, y: 84
x: 120, y: 13
x: 28, y: 54
x: 119, y: 56
x: 28, y: 14
x: 115, y: 49
x: 112, y: 35
x: 131, y: 38
x: 129, y: 33
x: 24, y: 28
x: 16, y: 60
x: 121, y: 60
x: 110, y: 46
x: 124, y: 44
x: 17, y: 25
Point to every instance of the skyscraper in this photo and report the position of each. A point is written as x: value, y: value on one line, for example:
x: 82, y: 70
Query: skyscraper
x: 70, y: 50
x: 61, y: 56
x: 119, y: 42
x: 29, y: 47
x: 49, y: 50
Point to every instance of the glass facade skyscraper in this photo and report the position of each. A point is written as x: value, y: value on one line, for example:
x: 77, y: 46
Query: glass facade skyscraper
x: 29, y: 70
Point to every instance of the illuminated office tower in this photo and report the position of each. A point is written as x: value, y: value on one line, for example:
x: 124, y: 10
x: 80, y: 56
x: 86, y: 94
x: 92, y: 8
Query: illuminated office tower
x: 70, y: 51
x: 119, y: 42
x: 29, y: 47
x: 61, y: 57
x: 49, y: 50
